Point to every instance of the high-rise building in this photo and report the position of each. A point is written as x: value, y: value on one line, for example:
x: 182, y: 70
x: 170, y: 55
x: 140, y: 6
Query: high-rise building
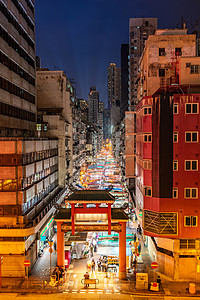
x: 29, y: 177
x: 100, y: 124
x: 124, y: 106
x: 167, y: 151
x: 114, y: 94
x: 139, y: 31
x: 17, y: 68
x: 114, y: 85
x: 54, y: 93
x: 29, y: 188
x: 84, y: 109
x: 106, y: 124
x: 93, y: 105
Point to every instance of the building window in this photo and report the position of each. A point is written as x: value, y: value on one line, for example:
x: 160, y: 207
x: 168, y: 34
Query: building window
x: 175, y: 137
x: 191, y: 108
x: 175, y: 193
x: 187, y: 243
x: 175, y: 108
x: 148, y: 191
x: 147, y: 138
x: 191, y: 193
x: 147, y: 165
x: 175, y: 165
x: 191, y: 165
x: 191, y: 136
x: 190, y: 221
x: 194, y: 69
x: 161, y: 72
x: 12, y: 43
x: 162, y: 52
x: 178, y: 52
x: 39, y: 127
x: 147, y: 110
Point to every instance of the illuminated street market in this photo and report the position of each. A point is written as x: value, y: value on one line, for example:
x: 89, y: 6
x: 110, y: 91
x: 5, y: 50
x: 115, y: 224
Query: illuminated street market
x: 99, y: 149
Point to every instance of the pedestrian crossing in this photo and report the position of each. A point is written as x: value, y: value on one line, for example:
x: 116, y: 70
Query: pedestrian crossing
x: 89, y: 291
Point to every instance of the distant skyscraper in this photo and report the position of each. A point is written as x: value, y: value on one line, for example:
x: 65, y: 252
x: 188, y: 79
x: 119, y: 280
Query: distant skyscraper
x: 93, y: 105
x: 100, y: 122
x: 114, y: 85
x: 114, y: 94
x: 106, y: 124
x: 100, y: 116
x: 124, y: 79
x: 139, y: 31
x: 17, y: 68
x: 84, y: 109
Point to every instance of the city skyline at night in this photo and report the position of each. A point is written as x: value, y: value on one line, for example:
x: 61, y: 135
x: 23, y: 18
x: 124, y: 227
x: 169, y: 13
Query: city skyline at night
x: 84, y: 37
x: 99, y: 148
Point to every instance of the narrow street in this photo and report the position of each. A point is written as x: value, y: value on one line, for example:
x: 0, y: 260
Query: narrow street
x: 102, y: 174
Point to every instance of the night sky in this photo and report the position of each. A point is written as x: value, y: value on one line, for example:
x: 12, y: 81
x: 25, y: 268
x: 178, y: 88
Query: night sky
x: 82, y: 37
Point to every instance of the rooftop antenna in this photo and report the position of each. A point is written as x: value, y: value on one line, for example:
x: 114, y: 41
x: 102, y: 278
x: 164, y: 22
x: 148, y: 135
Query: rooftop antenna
x: 182, y: 23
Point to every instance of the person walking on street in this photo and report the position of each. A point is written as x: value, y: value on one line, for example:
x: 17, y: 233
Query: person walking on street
x: 159, y: 282
x: 139, y: 230
x: 135, y: 265
x: 87, y: 276
x: 99, y: 266
x: 104, y: 264
x: 93, y: 265
x: 139, y: 248
x: 91, y: 250
x: 134, y: 238
x: 54, y: 246
x: 89, y: 265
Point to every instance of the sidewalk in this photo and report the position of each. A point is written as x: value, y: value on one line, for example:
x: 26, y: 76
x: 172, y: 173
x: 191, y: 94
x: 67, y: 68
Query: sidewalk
x: 109, y: 283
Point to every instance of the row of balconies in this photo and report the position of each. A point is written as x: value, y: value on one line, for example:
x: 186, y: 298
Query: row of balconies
x: 33, y: 215
x: 26, y: 158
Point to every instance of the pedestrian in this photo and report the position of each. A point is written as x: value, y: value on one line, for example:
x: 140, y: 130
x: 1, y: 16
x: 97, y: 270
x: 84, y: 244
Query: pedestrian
x: 139, y: 248
x: 134, y: 238
x: 57, y: 273
x: 99, y: 265
x: 159, y: 280
x: 135, y: 265
x: 139, y: 230
x: 87, y: 276
x: 89, y: 265
x: 91, y: 250
x: 104, y: 265
x: 93, y: 265
x: 95, y: 245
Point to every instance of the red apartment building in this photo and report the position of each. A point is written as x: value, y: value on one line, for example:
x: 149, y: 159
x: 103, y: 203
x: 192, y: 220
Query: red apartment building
x: 167, y: 155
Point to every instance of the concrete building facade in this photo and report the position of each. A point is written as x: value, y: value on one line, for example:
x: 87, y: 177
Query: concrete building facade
x: 139, y: 31
x: 29, y: 188
x: 93, y: 105
x: 100, y: 125
x: 114, y: 85
x: 106, y: 124
x: 167, y: 159
x: 124, y: 104
x: 114, y: 94
x: 160, y: 62
x: 54, y: 97
x: 17, y: 68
